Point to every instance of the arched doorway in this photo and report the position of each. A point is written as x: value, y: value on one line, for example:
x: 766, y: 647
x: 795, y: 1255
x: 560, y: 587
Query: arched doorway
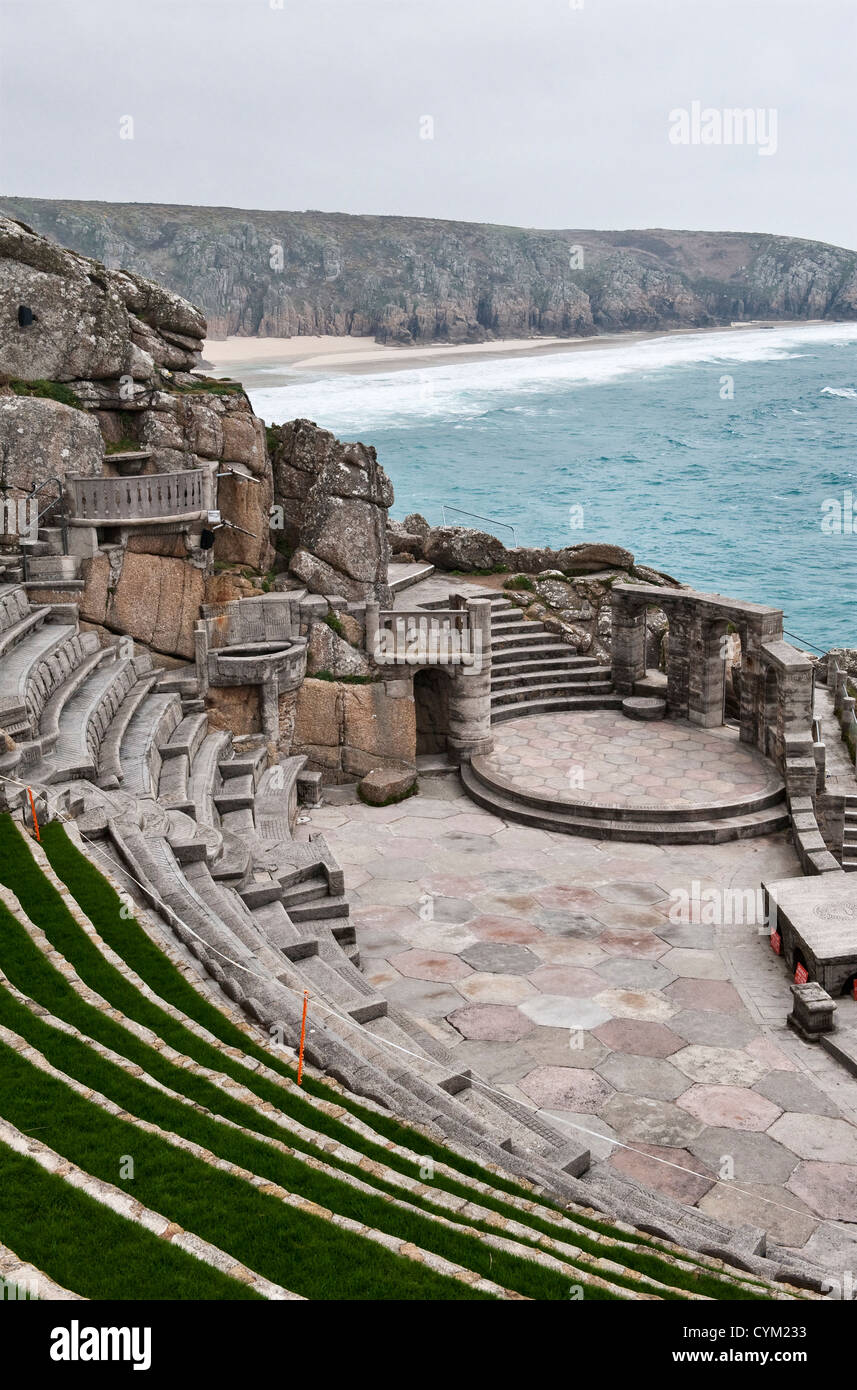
x: 431, y: 703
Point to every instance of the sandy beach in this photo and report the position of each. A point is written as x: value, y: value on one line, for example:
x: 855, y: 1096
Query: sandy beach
x: 257, y: 360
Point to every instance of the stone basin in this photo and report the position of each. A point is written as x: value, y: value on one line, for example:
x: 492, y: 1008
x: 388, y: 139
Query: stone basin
x: 254, y: 663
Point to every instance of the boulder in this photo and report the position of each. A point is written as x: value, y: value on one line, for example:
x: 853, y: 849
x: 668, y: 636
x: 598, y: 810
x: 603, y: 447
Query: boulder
x: 385, y: 784
x: 335, y: 498
x: 327, y: 651
x: 416, y: 525
x: 591, y: 557
x: 402, y: 541
x: 89, y: 323
x: 531, y: 559
x: 45, y: 439
x: 460, y: 548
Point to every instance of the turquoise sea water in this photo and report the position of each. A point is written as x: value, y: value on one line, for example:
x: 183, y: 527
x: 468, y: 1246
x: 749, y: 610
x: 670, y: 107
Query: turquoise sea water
x: 726, y: 493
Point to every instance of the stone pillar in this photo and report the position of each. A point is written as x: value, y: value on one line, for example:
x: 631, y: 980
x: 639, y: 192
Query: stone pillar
x: 628, y: 642
x: 678, y: 662
x: 372, y: 622
x: 840, y: 690
x: 470, y: 690
x: 752, y: 694
x: 200, y: 642
x: 707, y: 674
x: 270, y: 710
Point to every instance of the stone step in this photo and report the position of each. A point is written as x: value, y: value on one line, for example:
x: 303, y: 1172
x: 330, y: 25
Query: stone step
x: 109, y: 762
x: 318, y: 909
x: 187, y: 736
x: 151, y: 726
x: 87, y: 717
x: 644, y: 707
x: 681, y: 814
x: 205, y: 775
x: 21, y: 628
x: 506, y: 655
x: 569, y: 661
x: 20, y: 671
x: 238, y: 794
x: 654, y: 683
x: 547, y: 705
x: 548, y: 690
x: 514, y: 633
x: 643, y: 828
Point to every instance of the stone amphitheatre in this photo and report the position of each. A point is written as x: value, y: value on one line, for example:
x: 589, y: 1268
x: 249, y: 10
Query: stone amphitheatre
x: 553, y: 851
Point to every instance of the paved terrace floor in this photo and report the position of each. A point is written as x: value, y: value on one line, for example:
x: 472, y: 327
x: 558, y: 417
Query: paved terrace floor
x: 550, y: 964
x: 600, y: 757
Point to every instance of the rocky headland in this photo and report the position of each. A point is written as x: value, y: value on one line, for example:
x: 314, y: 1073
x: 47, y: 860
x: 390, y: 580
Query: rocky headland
x: 420, y: 280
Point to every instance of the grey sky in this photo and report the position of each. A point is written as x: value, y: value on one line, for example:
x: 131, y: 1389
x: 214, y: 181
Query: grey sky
x: 544, y: 114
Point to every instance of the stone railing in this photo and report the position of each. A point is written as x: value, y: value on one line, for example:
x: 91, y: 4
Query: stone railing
x: 423, y: 637
x: 142, y: 500
x: 843, y: 704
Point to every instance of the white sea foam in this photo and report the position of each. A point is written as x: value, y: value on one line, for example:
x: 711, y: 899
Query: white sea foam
x: 467, y: 391
x: 847, y: 391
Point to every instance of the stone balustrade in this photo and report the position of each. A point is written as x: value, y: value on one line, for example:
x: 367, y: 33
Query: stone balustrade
x: 423, y: 637
x: 141, y: 500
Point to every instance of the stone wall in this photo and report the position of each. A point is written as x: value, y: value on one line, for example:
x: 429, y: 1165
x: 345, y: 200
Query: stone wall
x: 347, y: 730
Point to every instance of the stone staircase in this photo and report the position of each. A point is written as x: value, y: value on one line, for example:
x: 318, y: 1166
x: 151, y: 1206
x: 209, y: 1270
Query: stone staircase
x: 849, y: 838
x: 534, y: 673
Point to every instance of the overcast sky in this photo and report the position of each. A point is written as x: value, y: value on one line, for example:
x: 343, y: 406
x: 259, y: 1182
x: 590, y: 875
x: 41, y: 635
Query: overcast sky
x: 547, y: 113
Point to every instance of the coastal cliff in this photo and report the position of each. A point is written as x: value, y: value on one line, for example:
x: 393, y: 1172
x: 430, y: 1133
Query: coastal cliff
x: 420, y: 280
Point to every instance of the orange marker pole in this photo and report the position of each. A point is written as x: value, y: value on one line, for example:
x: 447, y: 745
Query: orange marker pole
x: 303, y: 1035
x: 35, y: 817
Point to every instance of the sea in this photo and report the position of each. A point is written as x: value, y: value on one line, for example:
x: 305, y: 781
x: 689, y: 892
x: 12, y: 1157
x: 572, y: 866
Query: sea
x: 727, y: 458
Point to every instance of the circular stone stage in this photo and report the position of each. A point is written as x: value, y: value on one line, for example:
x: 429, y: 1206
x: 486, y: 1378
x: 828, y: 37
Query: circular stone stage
x: 594, y: 772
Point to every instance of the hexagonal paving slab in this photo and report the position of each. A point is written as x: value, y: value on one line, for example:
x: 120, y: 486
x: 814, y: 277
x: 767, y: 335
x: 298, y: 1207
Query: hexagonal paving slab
x: 428, y: 965
x: 484, y: 988
x: 713, y: 1029
x: 566, y: 1088
x: 830, y: 1189
x: 643, y: 1076
x: 491, y: 1023
x: 639, y: 1038
x: 816, y: 1137
x: 501, y: 958
x: 562, y: 1011
x: 674, y: 1172
x: 718, y: 1066
x: 630, y: 1003
x: 755, y: 1157
x: 635, y: 973
x: 730, y: 1107
x: 640, y: 1119
x: 567, y: 979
